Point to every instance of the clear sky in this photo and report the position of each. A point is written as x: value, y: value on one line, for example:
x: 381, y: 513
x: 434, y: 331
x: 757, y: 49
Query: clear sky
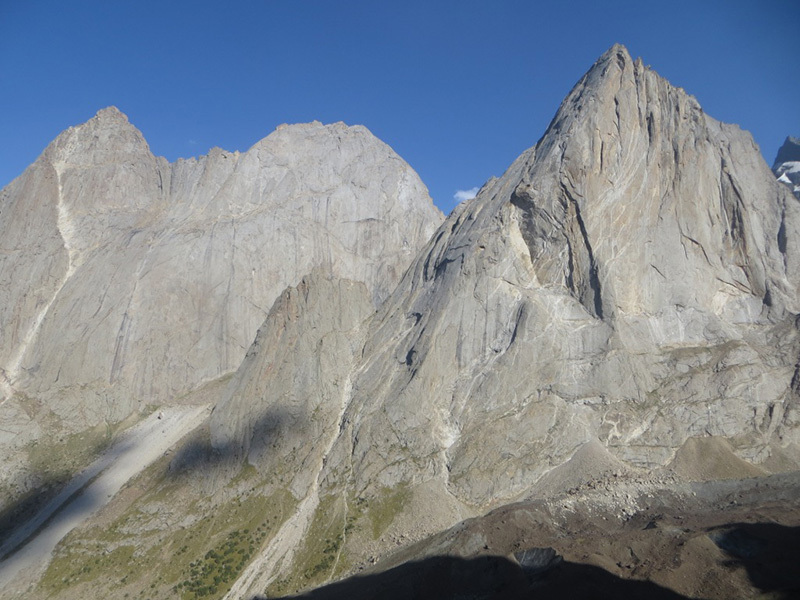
x: 457, y: 88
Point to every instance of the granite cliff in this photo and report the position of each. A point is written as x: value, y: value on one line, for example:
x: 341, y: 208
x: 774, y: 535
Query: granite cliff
x: 633, y: 278
x: 128, y: 282
x: 601, y: 342
x: 627, y: 287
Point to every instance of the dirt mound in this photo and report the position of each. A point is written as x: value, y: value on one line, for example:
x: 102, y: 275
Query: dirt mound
x: 710, y: 458
x: 592, y: 461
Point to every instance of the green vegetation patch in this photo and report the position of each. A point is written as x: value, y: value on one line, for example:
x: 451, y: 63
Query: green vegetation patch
x: 324, y: 553
x: 85, y: 561
x: 64, y: 454
x: 221, y: 565
x: 383, y: 509
x: 200, y: 559
x: 319, y: 557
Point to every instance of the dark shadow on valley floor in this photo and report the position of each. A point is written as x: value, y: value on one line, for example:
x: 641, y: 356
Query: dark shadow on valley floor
x: 768, y: 551
x: 51, y: 494
x: 27, y: 505
x: 194, y: 455
x: 490, y: 578
x: 26, y: 530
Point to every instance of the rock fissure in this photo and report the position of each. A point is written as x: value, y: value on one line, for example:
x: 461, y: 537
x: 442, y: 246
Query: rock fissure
x: 590, y: 296
x: 64, y: 227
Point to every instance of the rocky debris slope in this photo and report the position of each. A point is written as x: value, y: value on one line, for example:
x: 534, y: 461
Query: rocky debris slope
x: 127, y: 281
x: 630, y: 282
x: 736, y: 539
x: 787, y: 164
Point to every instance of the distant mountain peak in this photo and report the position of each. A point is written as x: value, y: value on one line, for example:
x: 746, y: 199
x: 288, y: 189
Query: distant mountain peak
x: 788, y: 152
x: 787, y: 164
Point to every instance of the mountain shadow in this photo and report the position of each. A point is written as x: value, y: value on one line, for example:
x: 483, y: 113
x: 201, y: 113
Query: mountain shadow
x: 57, y: 498
x: 769, y: 552
x: 33, y: 511
x: 489, y: 578
x: 198, y: 454
x: 26, y: 506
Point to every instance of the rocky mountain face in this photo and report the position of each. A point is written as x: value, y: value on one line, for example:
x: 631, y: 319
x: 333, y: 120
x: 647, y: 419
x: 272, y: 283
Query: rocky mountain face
x: 632, y: 278
x: 787, y: 164
x: 283, y: 407
x: 630, y: 282
x: 610, y: 321
x: 128, y: 281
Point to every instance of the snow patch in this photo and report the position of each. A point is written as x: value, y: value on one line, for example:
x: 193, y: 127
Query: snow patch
x: 790, y: 167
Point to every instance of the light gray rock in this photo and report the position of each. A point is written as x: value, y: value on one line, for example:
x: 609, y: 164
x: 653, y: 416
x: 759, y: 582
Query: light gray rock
x: 128, y: 281
x: 630, y: 283
x: 286, y: 400
x: 624, y: 297
x: 632, y: 278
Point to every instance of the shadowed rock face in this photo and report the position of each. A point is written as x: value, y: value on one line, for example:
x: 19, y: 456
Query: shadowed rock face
x: 128, y: 280
x: 787, y: 164
x: 298, y: 365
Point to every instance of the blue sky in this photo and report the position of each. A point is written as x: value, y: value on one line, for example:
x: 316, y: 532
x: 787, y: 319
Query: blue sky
x: 457, y: 88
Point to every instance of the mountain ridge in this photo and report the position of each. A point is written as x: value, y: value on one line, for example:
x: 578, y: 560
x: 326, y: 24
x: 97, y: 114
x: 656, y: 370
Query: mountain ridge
x: 129, y: 282
x: 612, y: 320
x: 629, y: 283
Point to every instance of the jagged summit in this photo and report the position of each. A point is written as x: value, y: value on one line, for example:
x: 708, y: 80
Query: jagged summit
x: 614, y: 68
x: 636, y: 229
x: 787, y: 165
x: 108, y: 138
x: 788, y: 152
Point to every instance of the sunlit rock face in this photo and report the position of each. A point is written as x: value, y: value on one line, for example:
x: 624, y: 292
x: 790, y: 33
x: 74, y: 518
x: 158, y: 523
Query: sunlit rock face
x: 629, y: 284
x: 129, y: 281
x: 632, y: 278
x: 625, y: 296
